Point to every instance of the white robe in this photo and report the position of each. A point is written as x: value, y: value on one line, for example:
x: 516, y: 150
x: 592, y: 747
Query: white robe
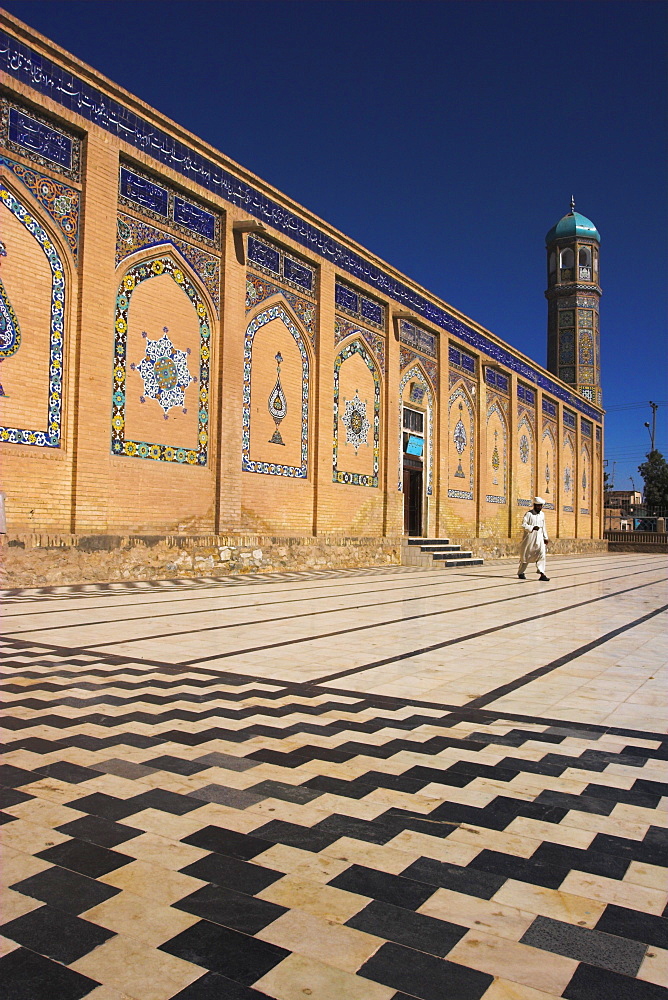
x: 533, y: 543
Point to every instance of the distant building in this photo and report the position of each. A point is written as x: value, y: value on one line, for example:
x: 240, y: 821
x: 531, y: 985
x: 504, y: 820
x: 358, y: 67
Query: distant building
x: 623, y: 499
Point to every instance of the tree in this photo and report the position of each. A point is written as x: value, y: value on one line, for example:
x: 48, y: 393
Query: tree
x: 655, y: 474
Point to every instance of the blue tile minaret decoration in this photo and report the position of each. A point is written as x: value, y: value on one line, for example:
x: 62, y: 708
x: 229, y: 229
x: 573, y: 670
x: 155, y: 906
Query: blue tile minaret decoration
x: 573, y: 294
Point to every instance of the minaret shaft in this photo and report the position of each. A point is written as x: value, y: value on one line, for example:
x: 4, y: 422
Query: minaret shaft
x: 573, y: 295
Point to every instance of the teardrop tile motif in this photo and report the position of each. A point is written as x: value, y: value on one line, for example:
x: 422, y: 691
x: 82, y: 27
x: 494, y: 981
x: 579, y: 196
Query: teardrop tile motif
x: 10, y: 332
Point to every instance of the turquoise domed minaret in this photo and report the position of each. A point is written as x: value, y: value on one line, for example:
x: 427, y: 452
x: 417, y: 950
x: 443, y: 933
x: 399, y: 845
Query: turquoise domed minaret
x: 573, y: 295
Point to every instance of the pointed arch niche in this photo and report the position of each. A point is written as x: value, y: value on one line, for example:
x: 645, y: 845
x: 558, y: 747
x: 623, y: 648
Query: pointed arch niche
x: 569, y: 487
x: 415, y: 373
x: 276, y: 391
x: 461, y: 464
x: 547, y: 482
x: 32, y: 327
x: 585, y: 492
x: 526, y: 465
x: 497, y: 455
x: 162, y: 355
x: 356, y: 416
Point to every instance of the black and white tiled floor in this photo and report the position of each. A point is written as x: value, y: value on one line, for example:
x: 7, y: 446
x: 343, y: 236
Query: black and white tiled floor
x: 195, y: 830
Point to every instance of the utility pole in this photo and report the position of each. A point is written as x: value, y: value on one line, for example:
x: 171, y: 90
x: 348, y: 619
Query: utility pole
x: 655, y: 407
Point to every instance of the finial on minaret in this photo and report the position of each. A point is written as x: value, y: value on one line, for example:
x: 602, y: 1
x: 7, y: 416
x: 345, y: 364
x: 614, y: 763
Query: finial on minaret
x: 572, y: 204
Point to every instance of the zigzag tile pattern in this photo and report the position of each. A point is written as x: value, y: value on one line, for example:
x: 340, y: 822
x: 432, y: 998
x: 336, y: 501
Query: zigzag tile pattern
x: 184, y: 832
x: 25, y: 595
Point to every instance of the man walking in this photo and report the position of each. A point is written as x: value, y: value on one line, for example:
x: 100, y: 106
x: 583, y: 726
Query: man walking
x: 534, y: 541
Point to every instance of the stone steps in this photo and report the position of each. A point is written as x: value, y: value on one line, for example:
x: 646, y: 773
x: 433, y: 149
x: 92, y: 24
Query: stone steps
x: 436, y: 553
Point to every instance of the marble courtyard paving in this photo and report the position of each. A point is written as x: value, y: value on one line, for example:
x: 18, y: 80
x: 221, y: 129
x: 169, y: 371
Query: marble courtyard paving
x: 364, y: 785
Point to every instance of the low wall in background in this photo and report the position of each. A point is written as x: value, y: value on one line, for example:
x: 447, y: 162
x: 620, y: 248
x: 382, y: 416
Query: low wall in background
x: 637, y: 541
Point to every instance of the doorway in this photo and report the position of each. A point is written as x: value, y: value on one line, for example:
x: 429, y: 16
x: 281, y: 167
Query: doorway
x: 412, y: 497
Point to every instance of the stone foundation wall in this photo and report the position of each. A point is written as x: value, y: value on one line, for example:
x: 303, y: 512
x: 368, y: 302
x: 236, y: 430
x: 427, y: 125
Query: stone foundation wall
x: 49, y: 560
x: 42, y: 560
x: 495, y: 548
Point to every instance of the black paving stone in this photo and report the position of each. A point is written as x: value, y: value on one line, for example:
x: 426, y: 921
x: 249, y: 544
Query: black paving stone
x: 124, y: 768
x: 221, y: 905
x: 295, y: 758
x: 63, y: 770
x: 468, y: 880
x: 35, y: 744
x: 85, y: 858
x: 400, y: 782
x: 439, y: 776
x: 321, y: 783
x: 288, y: 793
x: 544, y: 811
x: 294, y: 835
x: 170, y: 802
x: 226, y: 795
x: 646, y: 800
x: 591, y: 946
x: 177, y: 765
x: 403, y: 892
x: 567, y: 731
x: 27, y: 976
x: 512, y: 739
x: 589, y: 860
x: 592, y: 983
x: 644, y: 851
x: 233, y: 874
x: 653, y: 787
x: 334, y: 827
x: 12, y: 797
x: 545, y: 873
x: 222, y: 841
x: 657, y: 837
x: 424, y: 976
x: 55, y: 934
x: 100, y: 831
x: 11, y: 776
x: 634, y: 925
x: 65, y: 889
x: 583, y: 803
x: 455, y: 813
x: 239, y: 957
x: 228, y: 761
x: 214, y: 987
x: 100, y: 804
x: 395, y: 923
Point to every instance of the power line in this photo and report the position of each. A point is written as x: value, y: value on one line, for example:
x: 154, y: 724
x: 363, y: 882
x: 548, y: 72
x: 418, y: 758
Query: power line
x: 633, y: 406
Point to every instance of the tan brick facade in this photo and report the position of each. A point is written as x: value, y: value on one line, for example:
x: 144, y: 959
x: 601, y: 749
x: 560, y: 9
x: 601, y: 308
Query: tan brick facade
x: 219, y: 375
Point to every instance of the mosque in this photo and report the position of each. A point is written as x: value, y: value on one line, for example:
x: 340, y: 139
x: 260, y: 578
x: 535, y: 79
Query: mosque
x: 186, y: 352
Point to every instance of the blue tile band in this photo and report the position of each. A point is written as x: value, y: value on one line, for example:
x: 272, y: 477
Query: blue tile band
x: 37, y: 71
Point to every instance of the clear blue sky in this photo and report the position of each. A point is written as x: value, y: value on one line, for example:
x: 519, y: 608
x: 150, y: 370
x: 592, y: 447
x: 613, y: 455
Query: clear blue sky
x: 447, y: 137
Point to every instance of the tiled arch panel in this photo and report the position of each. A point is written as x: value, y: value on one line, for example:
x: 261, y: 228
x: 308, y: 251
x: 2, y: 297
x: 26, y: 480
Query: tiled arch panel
x: 248, y: 464
x: 492, y: 409
x: 142, y: 271
x: 50, y: 435
x: 354, y: 478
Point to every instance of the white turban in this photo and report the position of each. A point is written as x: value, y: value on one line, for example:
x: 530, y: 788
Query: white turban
x: 539, y: 500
